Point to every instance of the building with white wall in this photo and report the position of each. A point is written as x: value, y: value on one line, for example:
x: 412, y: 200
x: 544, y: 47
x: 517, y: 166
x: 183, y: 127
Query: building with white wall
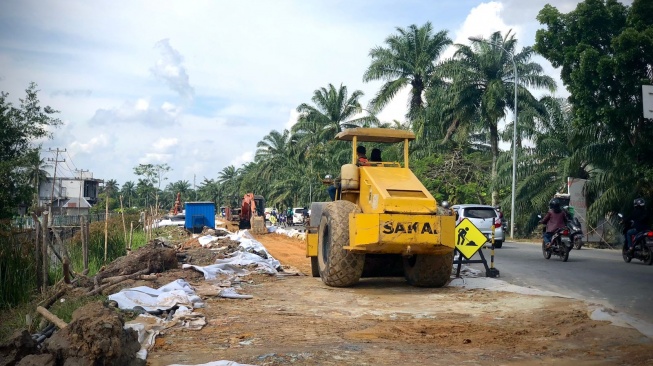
x: 69, y: 195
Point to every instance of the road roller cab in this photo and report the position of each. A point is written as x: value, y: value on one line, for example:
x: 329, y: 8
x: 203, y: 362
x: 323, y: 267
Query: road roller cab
x: 380, y: 209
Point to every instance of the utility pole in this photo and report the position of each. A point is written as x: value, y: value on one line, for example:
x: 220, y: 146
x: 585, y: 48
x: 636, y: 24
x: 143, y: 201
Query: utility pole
x: 81, y: 183
x: 56, y: 162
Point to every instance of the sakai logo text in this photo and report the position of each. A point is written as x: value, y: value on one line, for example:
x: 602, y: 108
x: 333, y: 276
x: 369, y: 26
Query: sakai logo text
x: 408, y: 228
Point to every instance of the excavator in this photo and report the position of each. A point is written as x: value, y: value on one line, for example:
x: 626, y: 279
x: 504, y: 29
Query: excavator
x: 250, y: 215
x: 176, y: 209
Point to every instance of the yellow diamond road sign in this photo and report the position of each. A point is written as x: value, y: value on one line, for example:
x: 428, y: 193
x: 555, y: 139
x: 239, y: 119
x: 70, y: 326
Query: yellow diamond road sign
x: 469, y: 239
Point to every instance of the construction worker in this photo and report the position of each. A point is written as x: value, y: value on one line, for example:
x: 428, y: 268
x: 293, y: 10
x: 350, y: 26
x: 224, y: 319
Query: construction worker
x: 362, y: 158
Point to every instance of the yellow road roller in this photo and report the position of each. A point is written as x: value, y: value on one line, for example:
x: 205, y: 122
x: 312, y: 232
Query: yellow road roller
x: 381, y: 215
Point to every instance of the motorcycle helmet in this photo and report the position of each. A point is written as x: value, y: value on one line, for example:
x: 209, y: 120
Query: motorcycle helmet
x: 554, y: 205
x: 445, y: 204
x: 639, y: 202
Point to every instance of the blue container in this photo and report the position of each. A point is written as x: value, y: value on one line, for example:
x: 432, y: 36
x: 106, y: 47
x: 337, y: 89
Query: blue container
x: 198, y: 215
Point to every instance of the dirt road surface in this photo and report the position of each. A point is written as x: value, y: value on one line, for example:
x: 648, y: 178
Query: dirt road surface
x: 383, y: 321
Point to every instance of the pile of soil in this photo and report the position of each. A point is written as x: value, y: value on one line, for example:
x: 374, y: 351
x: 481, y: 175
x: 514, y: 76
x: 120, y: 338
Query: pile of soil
x: 17, y: 347
x: 95, y: 336
x: 155, y: 256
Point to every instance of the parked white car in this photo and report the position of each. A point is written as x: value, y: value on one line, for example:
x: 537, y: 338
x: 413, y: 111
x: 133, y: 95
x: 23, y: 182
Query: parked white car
x: 298, y: 215
x: 483, y: 217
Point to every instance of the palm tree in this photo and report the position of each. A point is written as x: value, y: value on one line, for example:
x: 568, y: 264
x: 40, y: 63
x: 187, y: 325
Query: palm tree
x: 210, y: 190
x: 544, y: 168
x: 128, y: 191
x: 273, y: 151
x: 110, y: 187
x: 334, y: 110
x: 409, y: 60
x: 228, y: 178
x: 145, y: 190
x: 482, y: 86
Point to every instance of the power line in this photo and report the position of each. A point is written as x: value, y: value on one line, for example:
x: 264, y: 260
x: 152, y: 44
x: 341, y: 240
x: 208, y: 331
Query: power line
x: 54, y: 176
x: 71, y: 161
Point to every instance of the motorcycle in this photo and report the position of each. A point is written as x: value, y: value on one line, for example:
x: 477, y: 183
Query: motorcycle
x: 642, y: 246
x: 557, y: 246
x: 575, y: 234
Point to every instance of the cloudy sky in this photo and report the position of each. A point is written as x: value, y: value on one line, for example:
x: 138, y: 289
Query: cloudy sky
x: 196, y: 84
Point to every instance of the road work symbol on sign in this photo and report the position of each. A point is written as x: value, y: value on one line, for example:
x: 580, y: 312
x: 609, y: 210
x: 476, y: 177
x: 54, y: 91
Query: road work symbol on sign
x: 469, y: 239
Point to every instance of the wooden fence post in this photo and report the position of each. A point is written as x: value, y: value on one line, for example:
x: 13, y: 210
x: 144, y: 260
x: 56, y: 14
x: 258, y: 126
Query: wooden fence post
x: 84, y: 244
x: 131, y: 233
x: 44, y: 252
x: 37, y: 250
x: 122, y: 213
x: 106, y: 228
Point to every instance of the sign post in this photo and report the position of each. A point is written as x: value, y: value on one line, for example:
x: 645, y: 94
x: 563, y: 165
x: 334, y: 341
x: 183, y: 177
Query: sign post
x: 469, y: 239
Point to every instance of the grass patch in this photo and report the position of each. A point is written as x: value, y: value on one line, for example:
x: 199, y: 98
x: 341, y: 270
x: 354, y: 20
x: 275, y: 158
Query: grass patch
x: 17, y: 268
x: 15, y: 318
x: 64, y: 309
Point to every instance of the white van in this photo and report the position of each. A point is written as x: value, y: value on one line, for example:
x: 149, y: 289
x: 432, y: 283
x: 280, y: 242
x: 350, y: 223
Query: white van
x: 297, y: 215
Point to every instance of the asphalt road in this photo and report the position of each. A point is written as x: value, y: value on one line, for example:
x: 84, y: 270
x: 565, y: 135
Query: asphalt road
x: 598, y: 275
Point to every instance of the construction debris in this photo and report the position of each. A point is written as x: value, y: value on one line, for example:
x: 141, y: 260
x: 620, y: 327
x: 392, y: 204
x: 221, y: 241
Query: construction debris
x: 51, y: 317
x: 17, y: 347
x: 98, y: 335
x: 156, y: 256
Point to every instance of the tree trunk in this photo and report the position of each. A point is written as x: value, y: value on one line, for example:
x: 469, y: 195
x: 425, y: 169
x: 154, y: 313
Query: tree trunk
x: 494, y: 147
x: 416, y: 97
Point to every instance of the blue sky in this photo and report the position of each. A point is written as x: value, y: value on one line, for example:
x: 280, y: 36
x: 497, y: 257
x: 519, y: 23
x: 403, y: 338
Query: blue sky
x: 196, y: 84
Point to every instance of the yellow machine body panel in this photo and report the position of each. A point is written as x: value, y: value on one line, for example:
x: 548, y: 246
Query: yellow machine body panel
x: 393, y: 190
x: 405, y: 234
x: 311, y: 244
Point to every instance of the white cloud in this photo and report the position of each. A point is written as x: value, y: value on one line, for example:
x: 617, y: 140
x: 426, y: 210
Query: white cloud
x: 164, y: 144
x: 139, y: 111
x: 243, y: 158
x: 89, y: 146
x: 169, y: 68
x: 142, y: 104
x: 155, y: 158
x: 292, y: 119
x: 482, y: 21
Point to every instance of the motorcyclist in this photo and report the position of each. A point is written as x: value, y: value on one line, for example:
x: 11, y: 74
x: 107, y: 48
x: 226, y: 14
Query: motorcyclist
x: 555, y: 219
x: 638, y: 221
x: 305, y: 214
x: 445, y: 206
x: 498, y: 208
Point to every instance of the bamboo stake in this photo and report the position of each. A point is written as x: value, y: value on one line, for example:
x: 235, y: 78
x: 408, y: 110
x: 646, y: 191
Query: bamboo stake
x: 37, y: 251
x: 44, y: 252
x: 51, y: 317
x: 131, y: 234
x: 84, y: 245
x: 106, y: 228
x: 122, y: 213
